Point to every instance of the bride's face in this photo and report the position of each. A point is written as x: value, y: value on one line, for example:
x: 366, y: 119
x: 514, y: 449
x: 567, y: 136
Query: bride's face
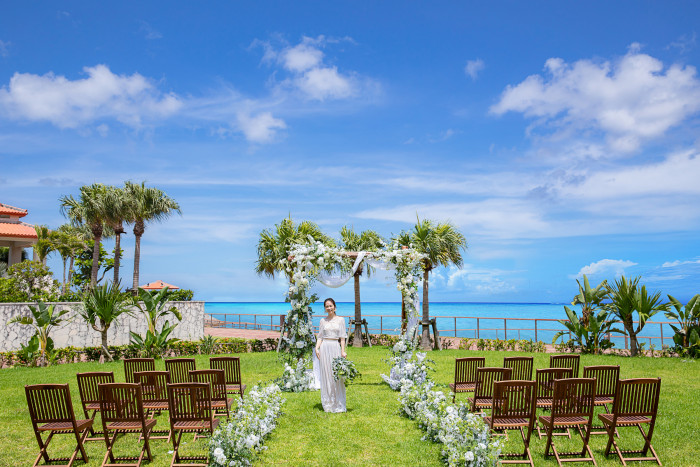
x: 330, y: 308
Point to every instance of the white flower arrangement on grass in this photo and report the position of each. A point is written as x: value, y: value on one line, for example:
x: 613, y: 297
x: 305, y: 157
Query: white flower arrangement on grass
x: 407, y: 365
x: 345, y: 369
x: 237, y: 442
x: 297, y: 378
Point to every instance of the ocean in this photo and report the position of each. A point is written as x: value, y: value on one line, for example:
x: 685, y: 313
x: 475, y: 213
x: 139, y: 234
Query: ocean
x: 454, y: 319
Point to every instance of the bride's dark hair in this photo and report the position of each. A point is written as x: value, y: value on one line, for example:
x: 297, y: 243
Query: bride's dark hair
x: 329, y: 300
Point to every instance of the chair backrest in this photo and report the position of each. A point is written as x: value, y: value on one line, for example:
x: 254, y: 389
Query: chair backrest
x: 573, y: 397
x: 606, y: 377
x: 637, y: 396
x: 565, y: 361
x: 132, y: 365
x: 87, y: 385
x: 189, y: 402
x: 545, y: 380
x: 153, y: 384
x: 465, y: 369
x: 486, y: 377
x: 521, y: 366
x: 231, y: 367
x: 179, y: 369
x: 215, y: 378
x: 513, y: 399
x: 121, y: 402
x: 49, y: 403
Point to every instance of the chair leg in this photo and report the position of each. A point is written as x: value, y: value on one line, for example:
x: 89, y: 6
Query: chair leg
x: 80, y: 439
x: 43, y: 448
x: 110, y: 445
x: 176, y: 446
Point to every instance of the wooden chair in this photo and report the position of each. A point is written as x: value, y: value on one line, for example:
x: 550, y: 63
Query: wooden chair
x: 132, y: 365
x: 514, y: 408
x: 190, y: 411
x: 121, y: 407
x: 220, y: 401
x: 155, y: 395
x: 521, y: 366
x: 179, y: 369
x: 565, y: 361
x: 465, y: 374
x: 232, y: 371
x: 51, y: 410
x: 606, y: 377
x: 483, y: 391
x: 572, y: 407
x: 636, y: 402
x: 90, y: 396
x: 544, y: 379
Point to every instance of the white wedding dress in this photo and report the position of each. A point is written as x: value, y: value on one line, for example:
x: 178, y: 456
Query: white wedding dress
x: 332, y: 392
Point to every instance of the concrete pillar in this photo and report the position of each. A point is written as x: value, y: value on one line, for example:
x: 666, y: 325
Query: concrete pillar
x: 15, y: 255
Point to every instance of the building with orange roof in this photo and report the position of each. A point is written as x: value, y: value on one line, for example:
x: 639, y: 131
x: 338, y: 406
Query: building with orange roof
x: 157, y: 285
x: 14, y: 233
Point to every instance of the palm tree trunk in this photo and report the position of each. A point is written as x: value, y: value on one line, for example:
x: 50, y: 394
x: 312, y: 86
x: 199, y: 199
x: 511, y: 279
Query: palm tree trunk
x: 64, y: 276
x: 105, y: 348
x: 117, y: 256
x: 97, y: 233
x: 70, y: 270
x: 138, y: 231
x: 425, y: 337
x: 357, y: 337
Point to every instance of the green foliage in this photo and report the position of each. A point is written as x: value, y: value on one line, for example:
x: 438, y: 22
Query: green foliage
x: 10, y: 292
x: 83, y: 266
x: 208, y: 345
x: 32, y: 281
x: 589, y: 298
x: 44, y: 318
x: 590, y: 337
x: 154, y: 306
x: 153, y: 345
x: 181, y: 295
x: 686, y: 333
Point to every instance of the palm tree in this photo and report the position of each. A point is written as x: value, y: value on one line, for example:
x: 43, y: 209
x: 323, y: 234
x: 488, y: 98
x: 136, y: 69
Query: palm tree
x: 91, y: 209
x: 441, y: 244
x: 368, y: 240
x: 275, y: 244
x: 118, y: 214
x: 43, y: 319
x: 46, y: 243
x: 145, y: 204
x: 101, y: 307
x: 70, y: 241
x: 589, y: 298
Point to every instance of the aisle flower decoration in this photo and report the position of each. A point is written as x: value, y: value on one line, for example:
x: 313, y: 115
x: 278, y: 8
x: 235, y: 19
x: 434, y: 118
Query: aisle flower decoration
x: 407, y: 365
x: 296, y: 378
x: 237, y: 442
x: 345, y: 369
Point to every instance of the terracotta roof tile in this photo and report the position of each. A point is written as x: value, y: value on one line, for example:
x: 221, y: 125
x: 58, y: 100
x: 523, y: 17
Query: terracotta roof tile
x: 20, y: 230
x: 11, y: 210
x: 157, y: 285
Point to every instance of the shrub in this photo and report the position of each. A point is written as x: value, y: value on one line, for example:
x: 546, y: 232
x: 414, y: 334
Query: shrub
x: 181, y: 295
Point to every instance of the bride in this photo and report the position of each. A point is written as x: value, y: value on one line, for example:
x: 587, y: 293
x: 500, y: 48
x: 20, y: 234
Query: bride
x: 331, y: 344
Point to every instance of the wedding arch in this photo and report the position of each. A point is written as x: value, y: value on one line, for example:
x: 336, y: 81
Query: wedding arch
x: 311, y: 262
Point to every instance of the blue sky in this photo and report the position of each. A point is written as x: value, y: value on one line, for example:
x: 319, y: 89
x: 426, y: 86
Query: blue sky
x: 562, y: 138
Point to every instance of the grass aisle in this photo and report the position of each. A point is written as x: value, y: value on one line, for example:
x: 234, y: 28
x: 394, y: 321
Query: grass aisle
x: 372, y: 432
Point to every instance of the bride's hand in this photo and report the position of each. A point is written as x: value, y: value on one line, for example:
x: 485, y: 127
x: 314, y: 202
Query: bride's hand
x: 343, y: 354
x: 318, y: 354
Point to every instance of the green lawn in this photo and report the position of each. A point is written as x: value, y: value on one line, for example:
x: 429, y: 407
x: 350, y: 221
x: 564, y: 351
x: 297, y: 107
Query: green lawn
x: 371, y: 432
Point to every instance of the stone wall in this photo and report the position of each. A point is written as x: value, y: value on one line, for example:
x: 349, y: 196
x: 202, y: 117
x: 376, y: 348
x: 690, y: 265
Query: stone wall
x: 77, y: 333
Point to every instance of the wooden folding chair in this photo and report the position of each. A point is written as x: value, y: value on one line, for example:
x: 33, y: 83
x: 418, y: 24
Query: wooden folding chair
x: 51, y: 410
x: 483, y: 391
x: 155, y: 395
x: 636, y: 402
x: 545, y: 392
x: 179, y: 369
x: 514, y: 409
x: 606, y: 377
x: 465, y: 374
x: 190, y: 411
x: 232, y: 371
x: 572, y: 407
x: 566, y: 361
x: 90, y: 396
x: 132, y: 365
x: 121, y: 407
x: 220, y: 401
x: 521, y: 366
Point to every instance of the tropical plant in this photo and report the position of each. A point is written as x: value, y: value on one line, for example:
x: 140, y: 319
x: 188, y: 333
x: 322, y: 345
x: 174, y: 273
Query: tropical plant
x: 208, y: 344
x: 145, y: 204
x: 45, y: 244
x: 275, y: 244
x: 119, y: 212
x: 589, y: 298
x: 34, y: 281
x: 92, y: 208
x: 626, y: 299
x: 154, y: 306
x: 687, y: 332
x: 441, y: 244
x: 44, y: 318
x: 590, y: 337
x: 368, y: 240
x: 70, y: 241
x: 81, y: 276
x: 101, y: 307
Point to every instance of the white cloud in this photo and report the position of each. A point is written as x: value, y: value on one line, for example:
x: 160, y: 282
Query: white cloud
x: 673, y: 264
x: 605, y: 266
x: 475, y: 279
x: 473, y: 67
x: 72, y: 103
x: 631, y: 100
x: 260, y: 128
x: 301, y: 57
x: 148, y: 31
x: 325, y: 83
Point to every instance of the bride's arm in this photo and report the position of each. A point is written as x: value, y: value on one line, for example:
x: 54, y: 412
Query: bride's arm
x: 342, y: 341
x: 319, y: 339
